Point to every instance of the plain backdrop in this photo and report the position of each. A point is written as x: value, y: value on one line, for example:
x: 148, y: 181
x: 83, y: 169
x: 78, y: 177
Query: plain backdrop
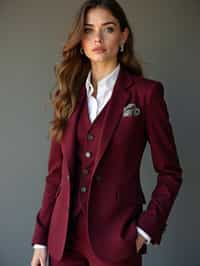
x: 32, y: 35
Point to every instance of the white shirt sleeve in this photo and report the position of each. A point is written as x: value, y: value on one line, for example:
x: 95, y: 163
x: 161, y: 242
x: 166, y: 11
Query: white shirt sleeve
x: 144, y: 234
x: 39, y: 246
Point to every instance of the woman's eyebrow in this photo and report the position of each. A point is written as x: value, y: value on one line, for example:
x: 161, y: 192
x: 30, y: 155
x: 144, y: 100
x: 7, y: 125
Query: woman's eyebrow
x: 106, y: 23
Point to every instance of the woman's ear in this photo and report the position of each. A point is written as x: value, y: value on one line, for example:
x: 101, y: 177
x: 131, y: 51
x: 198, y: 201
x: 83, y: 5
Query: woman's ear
x: 125, y: 35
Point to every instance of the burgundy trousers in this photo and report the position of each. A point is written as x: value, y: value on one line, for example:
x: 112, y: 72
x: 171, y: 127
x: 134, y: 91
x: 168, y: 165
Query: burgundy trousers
x: 78, y: 251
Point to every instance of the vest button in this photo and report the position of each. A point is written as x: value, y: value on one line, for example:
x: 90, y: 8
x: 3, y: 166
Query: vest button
x: 68, y: 177
x: 85, y: 171
x: 90, y: 137
x: 88, y: 154
x: 83, y: 189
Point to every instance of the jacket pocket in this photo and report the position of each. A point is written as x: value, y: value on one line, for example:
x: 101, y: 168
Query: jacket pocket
x: 128, y: 198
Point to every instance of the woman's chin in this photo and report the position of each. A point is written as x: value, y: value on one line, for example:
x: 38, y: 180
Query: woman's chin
x: 101, y: 59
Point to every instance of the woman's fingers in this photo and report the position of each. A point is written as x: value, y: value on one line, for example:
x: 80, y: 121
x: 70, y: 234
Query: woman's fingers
x: 38, y: 262
x: 42, y: 262
x: 139, y: 242
x: 39, y: 257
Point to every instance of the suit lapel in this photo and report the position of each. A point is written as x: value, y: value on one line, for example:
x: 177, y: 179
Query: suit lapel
x: 121, y: 95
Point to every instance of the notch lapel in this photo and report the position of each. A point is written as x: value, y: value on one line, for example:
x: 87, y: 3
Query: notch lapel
x: 120, y: 97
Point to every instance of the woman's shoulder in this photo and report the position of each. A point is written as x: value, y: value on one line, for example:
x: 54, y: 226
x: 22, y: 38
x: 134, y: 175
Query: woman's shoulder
x: 141, y: 81
x: 146, y: 82
x: 146, y: 89
x: 147, y: 86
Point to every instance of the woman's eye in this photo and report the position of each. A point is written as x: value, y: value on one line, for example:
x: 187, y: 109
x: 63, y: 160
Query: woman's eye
x: 86, y: 30
x: 109, y: 29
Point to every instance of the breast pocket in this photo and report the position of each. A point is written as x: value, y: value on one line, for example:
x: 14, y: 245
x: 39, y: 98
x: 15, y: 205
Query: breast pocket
x: 130, y: 120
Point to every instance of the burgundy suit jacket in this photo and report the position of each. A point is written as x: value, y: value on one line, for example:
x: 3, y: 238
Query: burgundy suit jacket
x: 115, y: 205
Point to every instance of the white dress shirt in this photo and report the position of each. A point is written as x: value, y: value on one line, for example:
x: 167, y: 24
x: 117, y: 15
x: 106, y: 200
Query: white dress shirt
x: 95, y: 105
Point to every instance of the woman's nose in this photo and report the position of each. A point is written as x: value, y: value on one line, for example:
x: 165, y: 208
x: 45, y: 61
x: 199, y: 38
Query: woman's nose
x: 98, y: 36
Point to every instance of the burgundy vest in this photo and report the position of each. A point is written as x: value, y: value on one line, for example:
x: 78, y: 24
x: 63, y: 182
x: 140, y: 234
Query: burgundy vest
x: 86, y: 142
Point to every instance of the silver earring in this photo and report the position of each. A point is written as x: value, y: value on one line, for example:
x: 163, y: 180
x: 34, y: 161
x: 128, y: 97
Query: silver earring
x: 81, y: 51
x: 122, y: 47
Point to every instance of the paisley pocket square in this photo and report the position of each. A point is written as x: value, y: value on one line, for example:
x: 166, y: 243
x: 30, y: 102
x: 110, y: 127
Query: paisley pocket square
x: 129, y: 106
x: 131, y: 110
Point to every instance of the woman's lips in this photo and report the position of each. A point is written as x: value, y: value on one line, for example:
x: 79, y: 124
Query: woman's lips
x: 98, y: 50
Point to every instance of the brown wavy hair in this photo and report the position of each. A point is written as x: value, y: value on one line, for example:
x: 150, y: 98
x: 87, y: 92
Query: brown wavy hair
x: 72, y: 71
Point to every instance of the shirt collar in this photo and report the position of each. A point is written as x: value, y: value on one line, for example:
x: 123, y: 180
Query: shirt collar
x: 104, y: 85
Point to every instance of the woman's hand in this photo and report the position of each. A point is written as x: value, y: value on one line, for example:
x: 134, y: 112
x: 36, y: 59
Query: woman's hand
x: 140, y: 240
x: 39, y: 257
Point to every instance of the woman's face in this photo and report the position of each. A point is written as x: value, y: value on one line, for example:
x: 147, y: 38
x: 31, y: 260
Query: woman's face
x: 102, y: 36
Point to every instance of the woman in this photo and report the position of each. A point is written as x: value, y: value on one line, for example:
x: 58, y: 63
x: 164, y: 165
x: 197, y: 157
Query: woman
x: 105, y: 111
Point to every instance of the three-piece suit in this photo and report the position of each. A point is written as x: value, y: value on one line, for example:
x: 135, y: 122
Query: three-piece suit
x: 95, y: 170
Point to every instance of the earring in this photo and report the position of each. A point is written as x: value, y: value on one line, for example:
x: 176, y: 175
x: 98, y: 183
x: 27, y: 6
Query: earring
x: 81, y: 51
x: 122, y: 47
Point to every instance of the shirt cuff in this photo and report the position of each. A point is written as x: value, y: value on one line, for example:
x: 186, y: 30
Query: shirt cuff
x: 144, y: 234
x: 39, y: 246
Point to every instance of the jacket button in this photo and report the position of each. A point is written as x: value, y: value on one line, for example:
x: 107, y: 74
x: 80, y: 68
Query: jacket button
x: 88, y: 154
x: 68, y: 177
x: 98, y: 178
x: 83, y: 189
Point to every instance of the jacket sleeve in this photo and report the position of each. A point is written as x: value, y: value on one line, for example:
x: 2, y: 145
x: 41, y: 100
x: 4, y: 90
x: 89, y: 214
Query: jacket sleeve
x: 165, y: 162
x: 53, y: 179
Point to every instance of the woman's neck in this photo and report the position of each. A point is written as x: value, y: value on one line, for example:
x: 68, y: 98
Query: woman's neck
x: 100, y: 70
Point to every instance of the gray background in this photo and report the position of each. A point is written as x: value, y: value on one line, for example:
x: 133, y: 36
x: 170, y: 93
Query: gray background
x: 32, y: 34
